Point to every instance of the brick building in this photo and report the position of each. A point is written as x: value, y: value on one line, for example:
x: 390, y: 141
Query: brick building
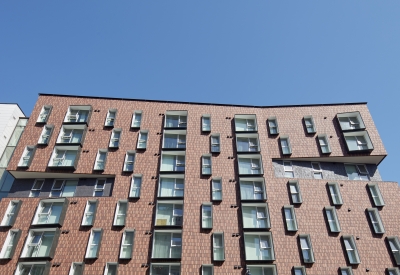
x: 107, y: 186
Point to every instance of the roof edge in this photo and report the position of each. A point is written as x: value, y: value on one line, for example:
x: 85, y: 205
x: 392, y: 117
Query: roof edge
x: 10, y: 103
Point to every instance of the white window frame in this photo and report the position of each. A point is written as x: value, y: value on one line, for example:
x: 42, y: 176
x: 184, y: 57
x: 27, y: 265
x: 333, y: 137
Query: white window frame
x: 290, y: 219
x: 100, y: 165
x: 219, y: 247
x: 205, y: 165
x: 118, y: 214
x: 288, y: 146
x: 251, y: 123
x: 132, y: 187
x: 73, y: 271
x: 123, y: 244
x: 42, y: 206
x: 273, y: 129
x: 110, y: 118
x: 46, y: 134
x: 136, y: 123
x: 262, y: 245
x: 142, y: 139
x: 334, y: 193
x: 36, y: 189
x: 376, y: 194
x: 376, y: 220
x: 308, y: 248
x: 27, y: 156
x: 90, y: 243
x: 77, y: 108
x: 31, y: 237
x: 182, y: 118
x: 88, y: 213
x: 128, y: 163
x: 44, y: 114
x: 99, y: 187
x: 352, y: 247
x: 63, y: 138
x: 288, y: 168
x: 204, y: 126
x: 115, y: 138
x: 10, y: 244
x: 61, y: 189
x: 346, y: 118
x: 64, y: 150
x: 215, y: 190
x: 295, y: 192
x: 21, y: 265
x: 360, y: 173
x: 310, y: 124
x: 316, y: 170
x: 394, y: 245
x: 334, y: 219
x: 11, y: 213
x: 324, y: 144
x: 215, y: 141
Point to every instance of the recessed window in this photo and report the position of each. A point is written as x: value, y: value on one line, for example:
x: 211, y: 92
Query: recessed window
x: 173, y: 161
x: 259, y: 246
x: 216, y: 188
x: 332, y: 219
x: 394, y: 245
x: 218, y: 246
x: 273, y: 126
x: 310, y: 124
x: 324, y: 144
x: 101, y: 159
x: 78, y: 114
x: 46, y: 134
x: 376, y: 194
x: 295, y: 194
x: 110, y: 119
x: 316, y: 170
x: 299, y: 270
x: 90, y: 212
x: 171, y: 186
x: 127, y: 244
x: 288, y: 169
x: 36, y: 188
x: 207, y: 269
x: 346, y: 270
x: 167, y: 244
x: 250, y: 164
x: 255, y: 215
x: 176, y: 119
x: 215, y: 143
x: 252, y: 189
x: 27, y: 156
x: 7, y: 252
x: 306, y: 248
x: 136, y: 119
x: 290, y: 217
x: 44, y: 114
x: 165, y: 268
x: 174, y: 139
x: 64, y: 157
x: 247, y: 143
x: 245, y: 123
x: 136, y: 184
x: 206, y: 216
x: 29, y: 268
x: 50, y: 211
x: 169, y: 213
x: 63, y: 188
x: 41, y: 243
x: 357, y: 171
x: 71, y: 134
x: 351, y: 249
x: 129, y: 161
x: 350, y: 121
x: 375, y: 220
x: 358, y: 141
x: 120, y: 213
x: 206, y: 165
x: 206, y: 123
x: 142, y: 140
x: 111, y: 269
x: 285, y: 145
x: 99, y: 188
x: 262, y: 269
x: 77, y: 268
x: 11, y: 213
x: 392, y: 271
x: 334, y: 193
x: 93, y: 246
x: 115, y: 138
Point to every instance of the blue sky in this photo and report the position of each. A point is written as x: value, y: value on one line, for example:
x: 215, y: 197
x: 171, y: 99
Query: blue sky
x: 227, y: 51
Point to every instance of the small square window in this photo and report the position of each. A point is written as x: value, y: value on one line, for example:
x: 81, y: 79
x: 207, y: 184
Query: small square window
x: 90, y: 213
x: 316, y: 170
x: 206, y: 165
x: 206, y: 123
x: 142, y: 140
x: 376, y: 194
x: 218, y: 246
x: 290, y: 217
x: 285, y: 145
x: 115, y: 138
x: 207, y: 269
x: 101, y: 159
x: 351, y: 249
x: 36, y: 188
x: 46, y: 134
x: 99, y: 188
x: 375, y: 220
x: 206, y: 216
x: 273, y: 126
x: 44, y: 114
x: 129, y: 161
x: 136, y: 185
x: 334, y: 192
x: 324, y: 144
x: 332, y: 219
x: 7, y: 252
x: 288, y: 169
x: 93, y: 246
x: 310, y: 124
x: 216, y: 188
x: 110, y: 119
x: 215, y: 143
x: 127, y: 244
x: 136, y: 119
x: 295, y: 194
x: 306, y: 248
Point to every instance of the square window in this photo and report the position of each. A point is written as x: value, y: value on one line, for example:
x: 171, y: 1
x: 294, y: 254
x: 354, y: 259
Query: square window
x: 252, y: 189
x: 255, y: 215
x: 247, y: 143
x: 136, y: 119
x: 36, y: 188
x: 206, y: 123
x: 41, y: 243
x: 346, y: 270
x: 207, y: 269
x: 259, y: 246
x: 357, y: 171
x: 172, y: 161
x: 64, y: 157
x: 63, y: 188
x: 171, y: 186
x: 78, y: 114
x: 51, y: 211
x: 169, y: 213
x: 174, y: 139
x: 110, y: 119
x: 306, y: 248
x: 299, y: 270
x: 167, y: 244
x: 71, y: 134
x: 250, y: 164
x: 176, y: 119
x: 358, y: 141
x: 350, y: 121
x: 77, y: 268
x: 245, y: 123
x: 111, y: 269
x: 273, y: 126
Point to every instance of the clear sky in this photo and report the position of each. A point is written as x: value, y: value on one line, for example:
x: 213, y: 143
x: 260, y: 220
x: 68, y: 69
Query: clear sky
x: 226, y: 51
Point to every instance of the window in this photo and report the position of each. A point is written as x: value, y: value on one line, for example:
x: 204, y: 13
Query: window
x: 136, y: 119
x: 252, y: 189
x: 262, y: 269
x: 115, y: 138
x: 11, y: 213
x: 245, y: 123
x: 357, y: 171
x: 285, y: 145
x: 288, y: 169
x: 206, y: 123
x: 206, y: 216
x: 351, y: 249
x: 358, y: 141
x: 299, y: 270
x: 310, y: 125
x: 375, y: 220
x: 101, y: 159
x: 324, y: 144
x: 176, y: 119
x: 216, y: 188
x: 392, y: 271
x: 90, y: 213
x: 46, y: 134
x: 306, y: 248
x: 51, y: 211
x: 129, y: 161
x: 41, y: 243
x: 394, y: 245
x: 250, y: 164
x: 93, y: 247
x: 332, y: 219
x: 273, y: 126
x: 207, y: 269
x: 7, y: 252
x: 142, y: 141
x: 64, y: 157
x: 127, y: 244
x: 334, y: 192
x: 215, y: 143
x: 33, y: 268
x: 218, y: 246
x: 167, y: 244
x: 255, y: 215
x: 350, y: 121
x: 36, y: 188
x: 295, y: 193
x: 174, y: 139
x: 171, y: 187
x: 172, y: 161
x: 247, y: 143
x: 27, y: 156
x: 78, y: 114
x: 136, y: 183
x: 77, y: 268
x: 376, y: 194
x: 169, y: 213
x: 44, y: 114
x: 99, y: 188
x: 259, y: 246
x: 63, y: 188
x: 71, y: 134
x: 316, y: 170
x: 120, y: 213
x: 110, y: 119
x: 290, y: 217
x: 206, y: 165
x: 165, y: 268
x: 346, y: 270
x: 111, y: 269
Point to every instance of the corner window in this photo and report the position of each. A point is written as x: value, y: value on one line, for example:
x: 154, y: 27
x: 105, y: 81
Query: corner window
x: 250, y: 164
x: 392, y: 271
x: 46, y: 134
x: 324, y: 144
x: 332, y: 219
x: 215, y: 143
x: 136, y: 184
x: 129, y: 161
x: 71, y: 134
x: 174, y: 139
x: 206, y: 165
x: 207, y: 269
x: 63, y: 188
x: 115, y: 138
x: 299, y: 270
x: 316, y: 170
x: 172, y: 161
x: 78, y: 114
x: 176, y: 119
x: 295, y: 193
x: 36, y: 188
x: 169, y: 213
x: 64, y: 157
x: 310, y: 125
x: 101, y: 159
x: 41, y: 243
x: 30, y: 268
x: 93, y: 246
x: 111, y: 269
x: 165, y: 268
x: 252, y: 189
x: 218, y: 246
x: 90, y: 213
x: 273, y: 126
x: 7, y: 252
x: 216, y: 188
x: 142, y: 140
x: 247, y: 143
x: 11, y: 213
x: 334, y: 192
x: 206, y: 123
x: 259, y: 246
x: 27, y: 156
x: 290, y: 217
x: 44, y: 114
x: 167, y: 244
x: 351, y: 249
x: 127, y: 244
x: 255, y: 215
x: 350, y: 121
x: 99, y: 188
x: 206, y: 216
x: 51, y: 211
x: 120, y: 213
x: 376, y: 194
x: 136, y: 119
x: 346, y: 270
x: 171, y: 187
x: 288, y: 169
x: 77, y: 268
x: 357, y: 171
x: 394, y: 245
x: 110, y: 119
x: 358, y: 141
x: 262, y: 269
x: 306, y: 248
x: 285, y: 145
x: 245, y: 123
x: 375, y: 220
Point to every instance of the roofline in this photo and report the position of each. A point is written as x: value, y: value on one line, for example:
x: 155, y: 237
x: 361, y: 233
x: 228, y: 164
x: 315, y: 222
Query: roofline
x: 17, y: 105
x: 202, y: 103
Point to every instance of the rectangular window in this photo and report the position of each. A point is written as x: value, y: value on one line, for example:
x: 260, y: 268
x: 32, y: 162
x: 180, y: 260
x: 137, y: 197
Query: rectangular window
x: 174, y: 139
x: 288, y: 169
x: 262, y: 269
x: 358, y: 141
x: 392, y: 271
x: 77, y: 268
x: 306, y: 248
x: 169, y: 213
x: 350, y: 121
x: 41, y: 243
x: 255, y: 215
x: 299, y: 270
x: 167, y: 244
x: 50, y: 211
x: 273, y: 126
x: 90, y: 213
x: 36, y: 188
x: 64, y: 157
x: 7, y: 252
x: 78, y: 114
x: 310, y: 124
x: 206, y: 165
x: 324, y: 144
x: 33, y: 268
x: 165, y: 268
x: 252, y: 189
x: 215, y: 143
x: 376, y: 194
x: 290, y: 217
x: 351, y: 249
x: 99, y: 188
x: 218, y: 246
x: 115, y: 138
x: 295, y: 193
x: 127, y: 244
x: 136, y: 184
x: 394, y: 245
x: 71, y: 134
x: 332, y: 219
x: 63, y: 188
x: 46, y: 134
x: 171, y: 187
x: 316, y: 170
x: 27, y: 156
x: 259, y: 246
x: 206, y: 216
x: 110, y: 119
x: 101, y: 159
x: 129, y: 161
x: 334, y: 192
x: 247, y: 143
x: 11, y: 213
x: 93, y: 247
x: 375, y: 220
x: 142, y: 140
x: 206, y: 123
x: 172, y: 162
x: 207, y: 269
x: 176, y: 119
x: 111, y: 269
x: 245, y: 123
x: 136, y: 119
x: 120, y: 213
x: 44, y: 114
x: 285, y: 145
x: 250, y: 164
x: 216, y: 188
x: 357, y: 171
x: 346, y: 270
